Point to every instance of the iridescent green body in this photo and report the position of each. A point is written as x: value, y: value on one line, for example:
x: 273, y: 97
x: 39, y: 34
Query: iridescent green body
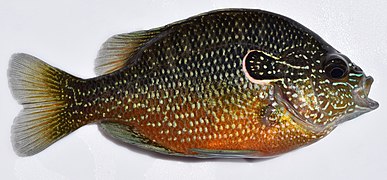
x: 229, y: 83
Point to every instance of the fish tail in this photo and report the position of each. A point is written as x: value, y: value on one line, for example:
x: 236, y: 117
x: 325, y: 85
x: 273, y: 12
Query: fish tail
x: 46, y: 116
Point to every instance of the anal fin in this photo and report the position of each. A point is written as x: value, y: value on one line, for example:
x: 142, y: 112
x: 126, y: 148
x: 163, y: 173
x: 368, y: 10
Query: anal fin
x: 128, y: 135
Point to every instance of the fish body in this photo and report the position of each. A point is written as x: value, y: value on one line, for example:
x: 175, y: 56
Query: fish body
x: 227, y: 83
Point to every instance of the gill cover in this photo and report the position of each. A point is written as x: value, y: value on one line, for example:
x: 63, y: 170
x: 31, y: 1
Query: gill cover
x: 292, y: 80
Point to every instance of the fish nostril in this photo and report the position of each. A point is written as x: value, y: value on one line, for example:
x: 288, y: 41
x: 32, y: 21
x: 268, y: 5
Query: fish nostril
x: 357, y: 69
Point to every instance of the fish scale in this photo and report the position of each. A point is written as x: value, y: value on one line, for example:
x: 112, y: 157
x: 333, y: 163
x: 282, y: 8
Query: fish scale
x: 227, y: 83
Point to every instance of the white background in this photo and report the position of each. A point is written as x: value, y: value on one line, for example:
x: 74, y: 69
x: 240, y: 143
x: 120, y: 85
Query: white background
x: 67, y: 34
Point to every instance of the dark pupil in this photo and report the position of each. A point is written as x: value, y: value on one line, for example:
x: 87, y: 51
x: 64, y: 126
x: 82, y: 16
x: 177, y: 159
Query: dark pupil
x: 337, y: 72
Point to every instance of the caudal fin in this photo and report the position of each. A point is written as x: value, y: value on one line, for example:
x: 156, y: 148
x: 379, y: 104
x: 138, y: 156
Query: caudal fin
x: 40, y: 88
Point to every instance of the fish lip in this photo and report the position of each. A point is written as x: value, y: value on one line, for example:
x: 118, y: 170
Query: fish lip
x: 360, y: 95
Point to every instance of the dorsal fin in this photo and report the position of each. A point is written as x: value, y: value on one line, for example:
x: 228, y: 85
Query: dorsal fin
x: 118, y: 49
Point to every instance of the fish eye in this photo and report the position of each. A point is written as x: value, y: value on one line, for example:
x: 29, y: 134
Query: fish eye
x: 336, y: 68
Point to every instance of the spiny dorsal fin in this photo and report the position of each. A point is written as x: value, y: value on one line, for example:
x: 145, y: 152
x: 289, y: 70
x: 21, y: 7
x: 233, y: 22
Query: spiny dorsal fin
x: 117, y: 50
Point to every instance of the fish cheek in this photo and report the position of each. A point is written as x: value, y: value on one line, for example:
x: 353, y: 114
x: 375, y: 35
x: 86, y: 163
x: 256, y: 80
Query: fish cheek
x: 301, y: 104
x: 300, y: 92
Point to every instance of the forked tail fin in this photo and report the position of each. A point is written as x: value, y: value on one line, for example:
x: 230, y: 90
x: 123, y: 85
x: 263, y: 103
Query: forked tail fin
x: 46, y: 116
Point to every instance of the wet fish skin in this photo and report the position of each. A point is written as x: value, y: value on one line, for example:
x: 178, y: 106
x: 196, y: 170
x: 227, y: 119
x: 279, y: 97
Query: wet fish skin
x: 228, y: 83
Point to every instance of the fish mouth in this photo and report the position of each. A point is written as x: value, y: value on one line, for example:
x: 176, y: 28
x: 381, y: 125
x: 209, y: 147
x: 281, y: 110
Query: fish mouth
x: 360, y: 95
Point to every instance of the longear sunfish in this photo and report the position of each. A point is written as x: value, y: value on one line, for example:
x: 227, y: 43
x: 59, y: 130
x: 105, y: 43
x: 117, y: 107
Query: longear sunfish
x: 226, y: 83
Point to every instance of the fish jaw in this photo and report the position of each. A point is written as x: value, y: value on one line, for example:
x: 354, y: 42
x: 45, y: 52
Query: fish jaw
x: 363, y: 103
x: 360, y: 94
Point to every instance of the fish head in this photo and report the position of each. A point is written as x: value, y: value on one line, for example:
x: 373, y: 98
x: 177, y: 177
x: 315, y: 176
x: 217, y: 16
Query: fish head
x: 324, y: 90
x: 319, y: 88
x: 349, y: 85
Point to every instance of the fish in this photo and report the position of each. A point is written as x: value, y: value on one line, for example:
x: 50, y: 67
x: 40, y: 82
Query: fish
x: 228, y: 83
